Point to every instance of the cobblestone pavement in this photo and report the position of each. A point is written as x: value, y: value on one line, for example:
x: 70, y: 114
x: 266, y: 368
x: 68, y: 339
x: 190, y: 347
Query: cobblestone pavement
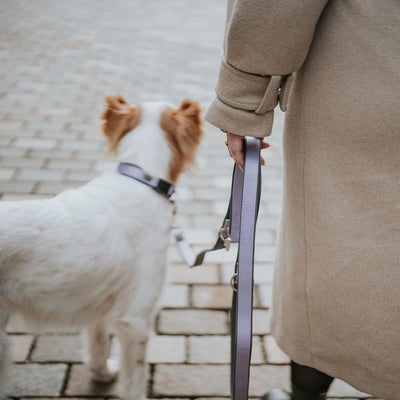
x: 59, y: 59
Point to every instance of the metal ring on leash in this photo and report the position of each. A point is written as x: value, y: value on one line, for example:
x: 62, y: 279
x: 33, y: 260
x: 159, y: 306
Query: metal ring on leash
x: 233, y: 283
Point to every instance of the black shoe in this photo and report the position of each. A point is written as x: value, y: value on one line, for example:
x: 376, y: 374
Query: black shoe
x: 299, y: 394
x: 277, y: 394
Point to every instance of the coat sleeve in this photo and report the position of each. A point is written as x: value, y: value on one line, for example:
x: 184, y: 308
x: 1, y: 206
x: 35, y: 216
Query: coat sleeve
x: 266, y: 41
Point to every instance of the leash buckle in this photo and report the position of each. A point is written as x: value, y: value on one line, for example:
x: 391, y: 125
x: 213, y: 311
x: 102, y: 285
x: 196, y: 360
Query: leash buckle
x: 225, y: 235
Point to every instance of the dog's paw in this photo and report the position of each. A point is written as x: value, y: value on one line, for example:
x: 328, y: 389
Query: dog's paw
x: 107, y: 374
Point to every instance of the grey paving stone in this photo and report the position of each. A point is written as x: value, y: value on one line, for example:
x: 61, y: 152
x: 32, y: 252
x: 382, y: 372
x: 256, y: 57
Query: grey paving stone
x: 85, y: 144
x: 274, y: 354
x: 62, y: 398
x: 212, y: 398
x: 36, y: 380
x: 68, y: 163
x: 265, y: 295
x: 200, y: 236
x: 10, y: 125
x: 190, y: 380
x: 53, y: 153
x: 22, y: 196
x: 16, y: 187
x: 35, y: 143
x: 343, y: 389
x: 193, y: 322
x: 57, y: 134
x: 80, y: 176
x: 63, y: 348
x: 80, y: 384
x: 6, y: 173
x: 263, y: 272
x: 216, y: 350
x: 5, y: 141
x: 180, y: 273
x: 266, y: 377
x: 20, y: 347
x: 261, y: 322
x: 194, y: 207
x: 42, y: 175
x: 166, y: 349
x: 175, y: 296
x: 213, y: 380
x: 17, y: 325
x: 22, y: 162
x: 55, y: 187
x: 8, y: 151
x: 213, y: 296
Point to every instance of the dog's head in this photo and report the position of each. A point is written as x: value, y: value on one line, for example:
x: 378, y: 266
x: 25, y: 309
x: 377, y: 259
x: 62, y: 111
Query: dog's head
x: 181, y: 128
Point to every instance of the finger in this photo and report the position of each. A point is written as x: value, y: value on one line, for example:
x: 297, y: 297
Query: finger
x: 236, y: 148
x: 227, y: 142
x: 265, y: 145
x: 262, y: 161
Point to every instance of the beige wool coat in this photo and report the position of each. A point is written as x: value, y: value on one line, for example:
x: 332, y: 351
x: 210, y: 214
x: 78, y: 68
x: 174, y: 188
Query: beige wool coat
x: 335, y: 66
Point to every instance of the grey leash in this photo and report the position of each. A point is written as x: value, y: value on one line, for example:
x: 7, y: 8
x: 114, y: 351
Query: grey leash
x: 238, y: 227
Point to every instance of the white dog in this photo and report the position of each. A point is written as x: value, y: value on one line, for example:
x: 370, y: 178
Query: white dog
x: 95, y: 257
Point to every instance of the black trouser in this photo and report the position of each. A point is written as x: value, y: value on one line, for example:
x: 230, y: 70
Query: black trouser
x: 310, y: 380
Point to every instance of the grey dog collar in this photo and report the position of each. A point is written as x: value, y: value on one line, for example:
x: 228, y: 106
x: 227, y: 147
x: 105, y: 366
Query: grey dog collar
x: 159, y: 185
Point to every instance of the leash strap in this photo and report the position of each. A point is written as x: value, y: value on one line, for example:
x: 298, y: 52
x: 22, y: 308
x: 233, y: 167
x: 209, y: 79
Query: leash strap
x: 159, y: 185
x: 238, y: 227
x: 242, y: 301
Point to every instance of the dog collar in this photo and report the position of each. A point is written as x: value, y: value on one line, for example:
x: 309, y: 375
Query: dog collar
x: 159, y: 185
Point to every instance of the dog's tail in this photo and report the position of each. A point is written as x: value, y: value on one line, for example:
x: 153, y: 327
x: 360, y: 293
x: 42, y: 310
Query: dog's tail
x: 3, y: 362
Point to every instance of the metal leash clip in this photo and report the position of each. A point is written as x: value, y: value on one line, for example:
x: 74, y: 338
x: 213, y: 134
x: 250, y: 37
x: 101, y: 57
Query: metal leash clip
x: 233, y: 282
x: 225, y: 235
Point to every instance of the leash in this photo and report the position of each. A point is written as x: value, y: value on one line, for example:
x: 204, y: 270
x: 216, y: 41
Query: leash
x: 242, y: 301
x: 239, y: 226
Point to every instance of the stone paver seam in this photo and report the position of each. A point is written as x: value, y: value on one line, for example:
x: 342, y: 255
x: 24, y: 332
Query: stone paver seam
x: 150, y: 381
x: 66, y: 379
x: 190, y: 295
x: 32, y: 348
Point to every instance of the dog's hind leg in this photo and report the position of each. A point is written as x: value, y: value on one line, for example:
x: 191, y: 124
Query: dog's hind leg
x: 99, y: 345
x: 133, y: 335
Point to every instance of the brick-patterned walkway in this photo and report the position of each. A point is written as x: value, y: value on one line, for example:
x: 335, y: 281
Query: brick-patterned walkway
x: 58, y: 62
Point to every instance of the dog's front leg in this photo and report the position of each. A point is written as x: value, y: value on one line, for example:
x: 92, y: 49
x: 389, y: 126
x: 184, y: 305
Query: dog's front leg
x: 99, y: 344
x: 133, y: 335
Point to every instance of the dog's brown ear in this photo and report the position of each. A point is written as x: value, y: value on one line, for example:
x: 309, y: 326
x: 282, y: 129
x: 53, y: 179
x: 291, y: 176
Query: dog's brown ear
x: 184, y: 129
x: 191, y: 110
x: 119, y: 119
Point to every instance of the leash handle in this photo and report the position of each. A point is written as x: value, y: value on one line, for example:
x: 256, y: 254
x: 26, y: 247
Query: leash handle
x: 242, y: 300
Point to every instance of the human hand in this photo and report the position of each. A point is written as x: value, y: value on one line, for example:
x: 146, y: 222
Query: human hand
x: 235, y: 148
